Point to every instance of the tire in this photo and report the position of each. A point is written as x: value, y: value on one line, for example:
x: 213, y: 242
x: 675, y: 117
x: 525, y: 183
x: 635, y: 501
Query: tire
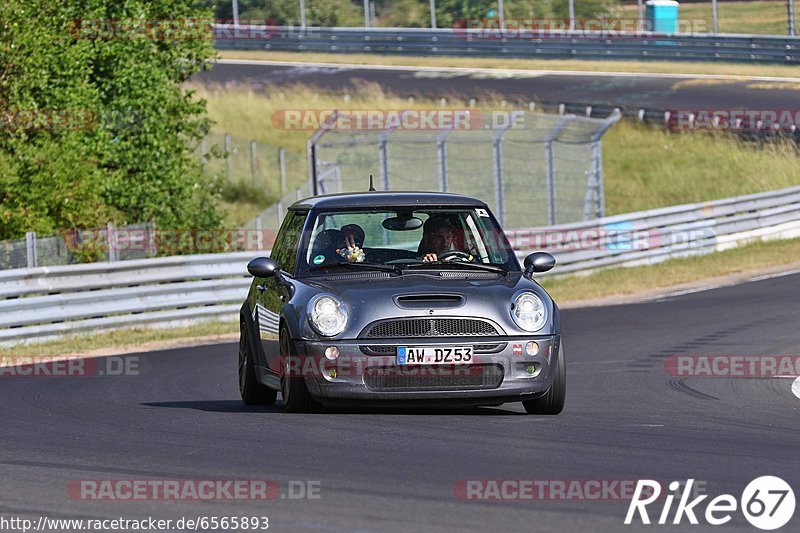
x: 253, y: 392
x: 552, y: 402
x: 296, y: 397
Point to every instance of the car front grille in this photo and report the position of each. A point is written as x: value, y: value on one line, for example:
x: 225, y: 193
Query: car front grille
x: 430, y: 327
x: 476, y: 348
x: 433, y: 377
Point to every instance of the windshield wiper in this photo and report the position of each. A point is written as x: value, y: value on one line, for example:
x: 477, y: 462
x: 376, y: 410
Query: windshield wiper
x: 363, y: 266
x: 478, y: 266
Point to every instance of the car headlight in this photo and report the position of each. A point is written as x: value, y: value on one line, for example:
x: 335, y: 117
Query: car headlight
x: 528, y: 311
x: 327, y: 315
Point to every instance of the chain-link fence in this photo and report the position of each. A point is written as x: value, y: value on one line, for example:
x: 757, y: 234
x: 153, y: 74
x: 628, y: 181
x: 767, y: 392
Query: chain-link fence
x: 269, y: 170
x: 111, y: 243
x: 533, y: 169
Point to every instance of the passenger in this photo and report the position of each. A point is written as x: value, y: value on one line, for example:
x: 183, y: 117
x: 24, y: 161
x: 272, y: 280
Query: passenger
x: 352, y: 242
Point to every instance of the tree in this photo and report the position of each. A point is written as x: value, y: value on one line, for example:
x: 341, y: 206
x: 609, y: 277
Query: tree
x: 94, y: 123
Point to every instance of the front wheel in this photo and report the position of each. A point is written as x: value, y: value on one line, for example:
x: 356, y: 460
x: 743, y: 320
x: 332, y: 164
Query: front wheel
x: 253, y: 392
x: 296, y: 397
x: 552, y: 402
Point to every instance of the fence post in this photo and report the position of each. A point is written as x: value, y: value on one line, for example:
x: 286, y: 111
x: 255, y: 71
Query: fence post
x: 30, y: 248
x: 593, y: 199
x: 551, y: 182
x: 228, y: 163
x: 152, y: 245
x: 253, y: 168
x: 282, y: 161
x: 441, y: 156
x: 790, y: 8
x: 499, y: 187
x: 383, y: 158
x: 203, y: 154
x: 113, y: 249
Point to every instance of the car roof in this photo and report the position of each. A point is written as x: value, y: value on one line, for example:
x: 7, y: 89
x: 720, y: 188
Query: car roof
x: 387, y: 199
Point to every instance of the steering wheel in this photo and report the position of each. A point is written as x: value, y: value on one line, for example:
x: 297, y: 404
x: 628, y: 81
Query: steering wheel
x: 455, y: 255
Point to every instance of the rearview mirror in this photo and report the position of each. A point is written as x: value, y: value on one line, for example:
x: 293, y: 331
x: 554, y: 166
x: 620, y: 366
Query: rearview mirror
x: 402, y: 223
x: 539, y: 262
x: 262, y: 267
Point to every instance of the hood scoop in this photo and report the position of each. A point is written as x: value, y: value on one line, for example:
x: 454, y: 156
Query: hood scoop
x: 428, y: 301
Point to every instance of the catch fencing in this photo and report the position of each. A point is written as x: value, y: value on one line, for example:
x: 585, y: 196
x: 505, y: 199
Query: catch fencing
x: 40, y: 303
x: 110, y: 243
x: 530, y: 167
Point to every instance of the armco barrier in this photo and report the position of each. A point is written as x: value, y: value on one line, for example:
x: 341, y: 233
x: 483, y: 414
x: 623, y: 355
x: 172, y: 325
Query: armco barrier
x: 474, y: 43
x: 40, y: 303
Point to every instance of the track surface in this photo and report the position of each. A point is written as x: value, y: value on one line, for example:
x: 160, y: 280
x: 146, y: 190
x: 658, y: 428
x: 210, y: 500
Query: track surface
x: 389, y: 470
x: 635, y: 91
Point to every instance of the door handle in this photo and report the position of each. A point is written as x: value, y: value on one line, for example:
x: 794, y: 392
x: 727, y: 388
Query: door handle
x: 261, y: 288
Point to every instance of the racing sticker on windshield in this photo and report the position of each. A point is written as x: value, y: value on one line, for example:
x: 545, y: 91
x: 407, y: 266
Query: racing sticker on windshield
x: 482, y: 213
x: 318, y: 260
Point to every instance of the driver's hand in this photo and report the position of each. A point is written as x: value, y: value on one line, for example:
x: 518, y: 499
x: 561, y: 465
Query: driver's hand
x: 430, y: 258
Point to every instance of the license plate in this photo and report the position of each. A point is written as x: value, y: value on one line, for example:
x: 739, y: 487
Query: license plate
x: 433, y: 355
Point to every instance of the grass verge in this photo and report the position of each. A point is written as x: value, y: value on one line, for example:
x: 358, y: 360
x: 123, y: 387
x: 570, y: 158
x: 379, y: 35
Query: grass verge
x: 628, y: 281
x: 147, y: 338
x: 644, y: 67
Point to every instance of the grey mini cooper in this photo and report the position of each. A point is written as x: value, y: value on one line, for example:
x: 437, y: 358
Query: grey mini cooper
x: 398, y: 298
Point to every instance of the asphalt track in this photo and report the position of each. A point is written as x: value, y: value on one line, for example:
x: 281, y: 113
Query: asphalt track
x: 645, y: 91
x: 390, y: 470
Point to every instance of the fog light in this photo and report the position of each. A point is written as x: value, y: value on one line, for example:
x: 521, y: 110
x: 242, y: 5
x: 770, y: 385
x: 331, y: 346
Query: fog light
x: 532, y: 348
x: 332, y: 352
x: 332, y: 373
x: 533, y: 369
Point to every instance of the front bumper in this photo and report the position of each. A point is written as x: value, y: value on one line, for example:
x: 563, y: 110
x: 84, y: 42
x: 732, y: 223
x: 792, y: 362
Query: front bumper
x: 500, y: 370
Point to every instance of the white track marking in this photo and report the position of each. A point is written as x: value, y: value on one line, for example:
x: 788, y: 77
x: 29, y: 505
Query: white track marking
x: 510, y: 72
x: 796, y: 387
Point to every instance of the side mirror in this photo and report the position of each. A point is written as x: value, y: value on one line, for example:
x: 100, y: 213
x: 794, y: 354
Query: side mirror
x: 263, y: 267
x: 539, y: 262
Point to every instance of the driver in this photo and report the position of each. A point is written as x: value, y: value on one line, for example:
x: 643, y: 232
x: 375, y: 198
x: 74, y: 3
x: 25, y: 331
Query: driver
x: 437, y: 238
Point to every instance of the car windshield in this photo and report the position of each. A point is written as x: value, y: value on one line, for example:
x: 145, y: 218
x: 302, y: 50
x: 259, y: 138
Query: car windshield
x: 425, y: 238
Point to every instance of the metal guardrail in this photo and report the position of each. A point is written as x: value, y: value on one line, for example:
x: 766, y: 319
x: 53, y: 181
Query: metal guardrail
x: 45, y: 302
x: 514, y: 44
x: 657, y: 235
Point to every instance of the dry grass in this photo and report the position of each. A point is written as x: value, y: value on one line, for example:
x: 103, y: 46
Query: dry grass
x: 128, y: 337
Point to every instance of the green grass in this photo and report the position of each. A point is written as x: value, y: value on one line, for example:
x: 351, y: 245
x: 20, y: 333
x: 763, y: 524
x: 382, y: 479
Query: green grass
x: 621, y: 281
x: 664, y: 67
x: 733, y: 17
x: 645, y: 167
x: 137, y: 336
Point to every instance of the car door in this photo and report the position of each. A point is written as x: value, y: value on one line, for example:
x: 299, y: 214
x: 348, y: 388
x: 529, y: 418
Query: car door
x: 272, y: 292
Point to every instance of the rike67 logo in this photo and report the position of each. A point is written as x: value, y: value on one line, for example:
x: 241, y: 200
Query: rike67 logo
x: 767, y: 503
